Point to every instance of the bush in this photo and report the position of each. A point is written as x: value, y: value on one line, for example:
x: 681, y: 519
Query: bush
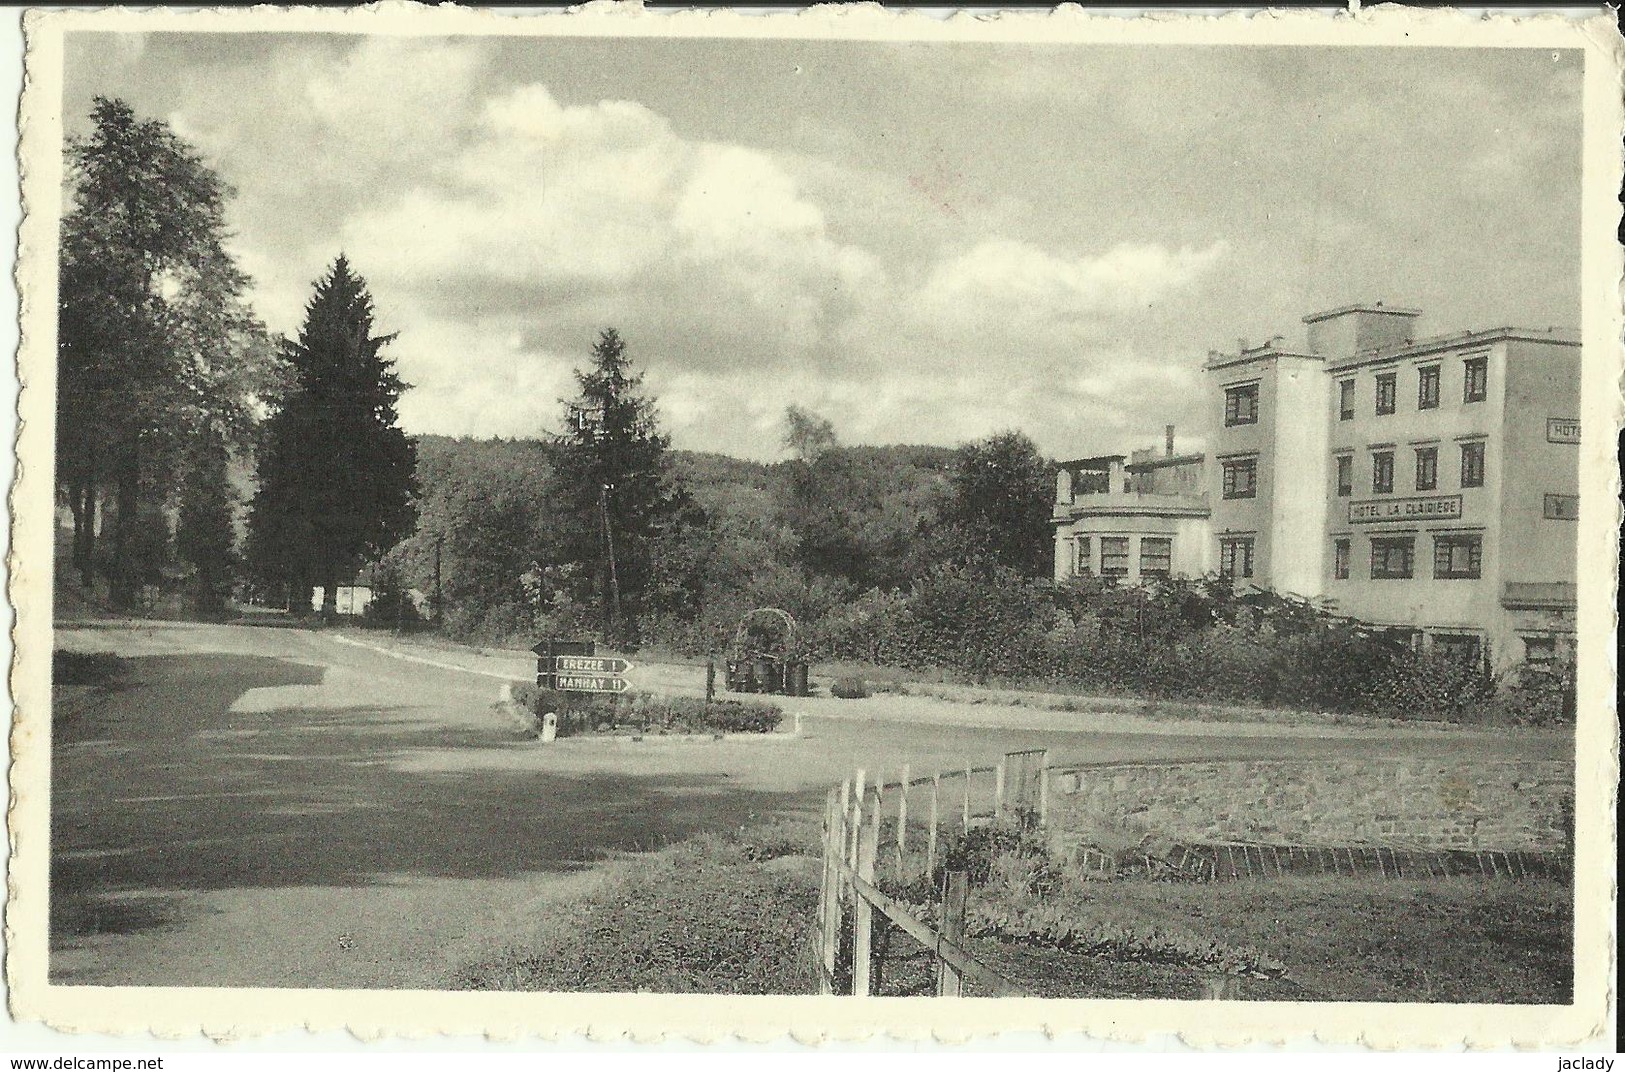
x: 850, y: 688
x: 587, y: 712
x: 1004, y: 855
x: 93, y: 668
x: 1430, y: 685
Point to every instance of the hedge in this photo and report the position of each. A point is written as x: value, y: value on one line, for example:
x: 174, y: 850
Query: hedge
x: 586, y: 712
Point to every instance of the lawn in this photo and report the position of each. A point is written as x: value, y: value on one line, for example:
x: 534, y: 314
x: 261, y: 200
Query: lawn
x: 735, y: 915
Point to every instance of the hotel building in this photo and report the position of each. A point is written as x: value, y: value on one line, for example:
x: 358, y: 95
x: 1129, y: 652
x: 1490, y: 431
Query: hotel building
x: 1429, y: 485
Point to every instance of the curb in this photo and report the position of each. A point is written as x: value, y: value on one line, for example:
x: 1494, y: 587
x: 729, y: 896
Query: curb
x: 437, y: 664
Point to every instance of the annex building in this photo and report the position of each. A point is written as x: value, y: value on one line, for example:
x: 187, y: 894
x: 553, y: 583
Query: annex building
x: 1428, y: 485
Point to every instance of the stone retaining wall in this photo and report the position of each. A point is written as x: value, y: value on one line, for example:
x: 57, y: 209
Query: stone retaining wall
x: 1517, y: 806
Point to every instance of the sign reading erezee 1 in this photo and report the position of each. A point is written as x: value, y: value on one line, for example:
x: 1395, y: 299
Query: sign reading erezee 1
x: 589, y: 664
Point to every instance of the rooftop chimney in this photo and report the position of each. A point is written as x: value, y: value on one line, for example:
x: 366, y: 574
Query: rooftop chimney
x: 1168, y: 441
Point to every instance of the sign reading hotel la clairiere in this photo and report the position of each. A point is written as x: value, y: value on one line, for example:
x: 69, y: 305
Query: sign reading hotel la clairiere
x: 1420, y: 508
x: 1562, y: 430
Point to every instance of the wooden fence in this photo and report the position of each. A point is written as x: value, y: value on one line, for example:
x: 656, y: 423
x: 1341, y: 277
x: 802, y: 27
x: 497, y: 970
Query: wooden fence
x: 918, y: 810
x: 898, y: 825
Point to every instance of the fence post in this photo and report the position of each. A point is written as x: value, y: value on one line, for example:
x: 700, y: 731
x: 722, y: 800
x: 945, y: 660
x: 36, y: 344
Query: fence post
x: 931, y: 833
x: 854, y: 819
x: 1043, y: 796
x: 874, y: 820
x: 998, y: 791
x: 964, y: 819
x: 863, y: 920
x: 949, y: 984
x: 834, y: 843
x: 902, y: 814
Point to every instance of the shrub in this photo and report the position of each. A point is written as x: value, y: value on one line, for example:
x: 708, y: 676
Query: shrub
x: 1003, y: 854
x: 850, y: 688
x: 93, y: 668
x: 587, y: 712
x: 1537, y: 696
x: 1429, y: 685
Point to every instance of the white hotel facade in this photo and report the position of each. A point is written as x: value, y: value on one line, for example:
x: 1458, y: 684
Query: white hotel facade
x: 1428, y: 485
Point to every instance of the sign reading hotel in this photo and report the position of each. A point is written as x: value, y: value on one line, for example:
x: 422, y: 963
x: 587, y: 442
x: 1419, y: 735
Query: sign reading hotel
x: 1562, y: 430
x: 1422, y: 508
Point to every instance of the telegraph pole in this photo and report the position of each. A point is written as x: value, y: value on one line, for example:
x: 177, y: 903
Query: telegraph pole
x: 609, y: 546
x: 439, y: 611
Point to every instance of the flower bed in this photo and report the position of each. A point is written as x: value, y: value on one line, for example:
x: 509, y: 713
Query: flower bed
x: 641, y: 712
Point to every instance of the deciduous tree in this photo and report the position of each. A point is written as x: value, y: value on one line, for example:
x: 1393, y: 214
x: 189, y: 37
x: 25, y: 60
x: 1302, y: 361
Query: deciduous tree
x: 155, y: 343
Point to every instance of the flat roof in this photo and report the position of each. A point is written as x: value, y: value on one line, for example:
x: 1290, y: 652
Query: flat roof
x: 1164, y: 461
x: 1378, y: 307
x: 1099, y: 459
x: 1457, y: 341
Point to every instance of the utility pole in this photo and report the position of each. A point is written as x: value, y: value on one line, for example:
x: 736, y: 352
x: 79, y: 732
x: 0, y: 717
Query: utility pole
x: 609, y: 546
x: 439, y: 612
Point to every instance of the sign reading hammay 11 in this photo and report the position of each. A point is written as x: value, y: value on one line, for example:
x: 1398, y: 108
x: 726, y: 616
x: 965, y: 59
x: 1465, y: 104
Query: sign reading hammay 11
x: 1426, y: 508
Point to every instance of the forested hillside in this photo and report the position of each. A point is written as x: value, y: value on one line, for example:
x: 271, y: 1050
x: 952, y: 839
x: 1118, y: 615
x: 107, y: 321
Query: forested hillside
x: 801, y: 535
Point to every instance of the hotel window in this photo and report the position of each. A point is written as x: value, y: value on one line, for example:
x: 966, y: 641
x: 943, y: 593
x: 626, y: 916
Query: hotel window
x: 1476, y: 386
x: 1560, y: 507
x: 1466, y: 648
x: 1340, y: 559
x: 1427, y: 388
x: 1472, y: 465
x: 1387, y: 391
x: 1240, y: 478
x: 1156, y: 556
x: 1241, y: 405
x: 1082, y: 553
x: 1427, y: 468
x: 1539, y: 649
x: 1382, y: 472
x: 1345, y: 400
x: 1114, y: 556
x: 1458, y: 558
x: 1392, y: 557
x: 1236, y: 556
x: 1345, y: 475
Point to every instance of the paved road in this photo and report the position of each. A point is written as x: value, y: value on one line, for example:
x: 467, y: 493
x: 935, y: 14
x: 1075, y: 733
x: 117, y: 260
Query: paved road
x: 272, y: 807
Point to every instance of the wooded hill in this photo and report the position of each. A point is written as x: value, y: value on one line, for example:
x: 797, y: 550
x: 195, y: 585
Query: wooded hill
x: 803, y: 535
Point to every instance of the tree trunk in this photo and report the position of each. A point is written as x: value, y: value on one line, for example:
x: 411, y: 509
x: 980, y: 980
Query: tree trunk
x: 330, y: 591
x: 82, y: 501
x: 123, y: 580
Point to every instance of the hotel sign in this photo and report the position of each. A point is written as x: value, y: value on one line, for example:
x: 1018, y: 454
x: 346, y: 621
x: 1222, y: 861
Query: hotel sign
x: 1562, y: 430
x: 1422, y: 508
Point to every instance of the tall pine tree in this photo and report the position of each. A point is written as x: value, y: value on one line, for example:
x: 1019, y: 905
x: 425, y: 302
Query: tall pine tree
x: 612, y: 487
x: 336, y: 473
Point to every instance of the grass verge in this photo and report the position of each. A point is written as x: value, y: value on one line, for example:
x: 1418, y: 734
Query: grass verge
x: 712, y: 915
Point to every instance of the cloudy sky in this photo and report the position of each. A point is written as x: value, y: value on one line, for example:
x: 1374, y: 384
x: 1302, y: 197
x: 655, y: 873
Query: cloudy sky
x: 923, y: 242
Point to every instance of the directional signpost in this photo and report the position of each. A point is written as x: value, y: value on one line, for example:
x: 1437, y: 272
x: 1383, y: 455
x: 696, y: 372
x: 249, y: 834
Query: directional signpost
x: 590, y: 673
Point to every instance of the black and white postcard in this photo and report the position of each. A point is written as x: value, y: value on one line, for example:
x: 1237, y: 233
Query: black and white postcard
x: 837, y: 523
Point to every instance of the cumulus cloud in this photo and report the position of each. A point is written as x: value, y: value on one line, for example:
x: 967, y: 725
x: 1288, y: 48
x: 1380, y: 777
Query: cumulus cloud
x: 719, y: 268
x: 1000, y: 280
x: 761, y: 241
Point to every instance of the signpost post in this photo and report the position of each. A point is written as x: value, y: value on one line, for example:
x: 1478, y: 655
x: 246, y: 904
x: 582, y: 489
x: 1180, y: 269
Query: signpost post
x: 547, y: 654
